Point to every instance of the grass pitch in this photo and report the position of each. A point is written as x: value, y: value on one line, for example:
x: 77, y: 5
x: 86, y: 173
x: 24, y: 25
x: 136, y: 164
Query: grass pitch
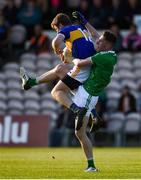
x: 69, y: 163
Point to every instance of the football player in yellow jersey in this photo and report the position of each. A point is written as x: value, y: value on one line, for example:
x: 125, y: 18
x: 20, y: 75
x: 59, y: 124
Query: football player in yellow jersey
x: 79, y: 42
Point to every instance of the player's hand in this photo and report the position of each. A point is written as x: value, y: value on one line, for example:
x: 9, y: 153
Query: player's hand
x: 76, y: 62
x: 62, y: 57
x: 80, y: 17
x: 58, y: 51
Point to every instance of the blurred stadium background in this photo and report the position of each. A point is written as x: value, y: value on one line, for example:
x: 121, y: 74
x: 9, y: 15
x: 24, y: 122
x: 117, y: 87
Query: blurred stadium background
x: 33, y: 118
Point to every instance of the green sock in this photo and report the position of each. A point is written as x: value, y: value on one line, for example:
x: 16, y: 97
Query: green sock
x: 90, y: 163
x: 32, y: 82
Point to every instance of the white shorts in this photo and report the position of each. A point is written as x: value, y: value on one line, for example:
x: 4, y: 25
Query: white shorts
x: 83, y: 99
x: 80, y: 75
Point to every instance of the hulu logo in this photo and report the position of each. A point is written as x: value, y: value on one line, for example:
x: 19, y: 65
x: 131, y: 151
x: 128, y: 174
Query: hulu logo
x: 13, y: 132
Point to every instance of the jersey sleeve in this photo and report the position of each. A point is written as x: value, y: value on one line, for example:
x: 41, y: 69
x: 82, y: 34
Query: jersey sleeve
x: 97, y: 58
x: 65, y: 32
x: 103, y: 58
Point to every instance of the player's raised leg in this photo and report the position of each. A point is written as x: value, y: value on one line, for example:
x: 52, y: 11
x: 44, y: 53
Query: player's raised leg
x: 58, y: 72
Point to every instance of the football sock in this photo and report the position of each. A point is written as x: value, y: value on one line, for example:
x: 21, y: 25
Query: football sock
x: 90, y: 163
x: 32, y: 82
x: 93, y: 111
x: 74, y: 108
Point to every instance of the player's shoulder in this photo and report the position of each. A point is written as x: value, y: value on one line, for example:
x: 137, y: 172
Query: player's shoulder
x: 72, y: 28
x: 106, y: 56
x: 110, y: 53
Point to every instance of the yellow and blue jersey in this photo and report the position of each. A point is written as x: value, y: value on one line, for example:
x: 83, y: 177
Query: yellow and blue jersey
x: 78, y: 41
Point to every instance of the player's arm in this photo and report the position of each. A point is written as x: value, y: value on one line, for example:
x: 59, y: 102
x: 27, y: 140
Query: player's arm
x: 98, y: 59
x: 84, y: 62
x: 57, y: 43
x: 94, y: 33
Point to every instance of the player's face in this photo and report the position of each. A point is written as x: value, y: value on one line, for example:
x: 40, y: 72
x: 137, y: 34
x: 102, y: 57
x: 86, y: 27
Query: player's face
x: 102, y: 44
x: 56, y: 28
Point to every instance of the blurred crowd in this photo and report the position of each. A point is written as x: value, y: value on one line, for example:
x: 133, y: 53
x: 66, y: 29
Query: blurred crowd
x: 22, y: 20
x: 99, y: 12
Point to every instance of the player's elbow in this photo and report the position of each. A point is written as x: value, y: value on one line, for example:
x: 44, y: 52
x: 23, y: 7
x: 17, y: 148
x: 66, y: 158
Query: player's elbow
x: 53, y: 93
x: 57, y: 42
x: 54, y: 43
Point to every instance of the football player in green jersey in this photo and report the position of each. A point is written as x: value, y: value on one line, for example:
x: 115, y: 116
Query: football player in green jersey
x: 87, y: 94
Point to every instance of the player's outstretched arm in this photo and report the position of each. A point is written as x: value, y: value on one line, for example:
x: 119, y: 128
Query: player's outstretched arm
x: 95, y: 35
x: 77, y: 15
x: 81, y: 63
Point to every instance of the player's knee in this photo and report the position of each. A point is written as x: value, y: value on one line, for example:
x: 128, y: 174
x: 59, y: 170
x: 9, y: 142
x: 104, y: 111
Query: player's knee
x: 53, y: 93
x: 78, y: 134
x: 59, y: 69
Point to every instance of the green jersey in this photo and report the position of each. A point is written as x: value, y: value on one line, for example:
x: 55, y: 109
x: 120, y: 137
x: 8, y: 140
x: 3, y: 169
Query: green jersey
x: 100, y: 73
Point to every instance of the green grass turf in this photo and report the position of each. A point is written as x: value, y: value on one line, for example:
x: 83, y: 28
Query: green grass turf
x: 69, y: 163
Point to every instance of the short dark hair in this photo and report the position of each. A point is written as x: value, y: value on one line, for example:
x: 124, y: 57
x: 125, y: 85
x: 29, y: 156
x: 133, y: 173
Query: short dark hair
x: 61, y: 18
x: 110, y: 36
